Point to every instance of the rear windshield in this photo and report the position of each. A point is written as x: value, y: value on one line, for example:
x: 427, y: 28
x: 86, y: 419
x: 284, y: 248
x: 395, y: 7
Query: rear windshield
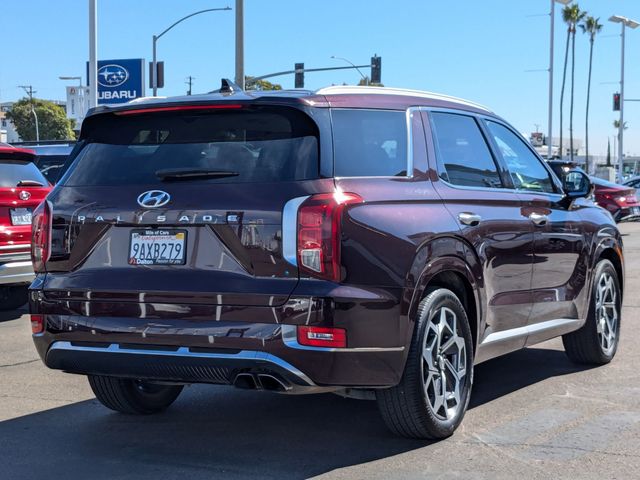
x: 12, y: 173
x: 257, y: 144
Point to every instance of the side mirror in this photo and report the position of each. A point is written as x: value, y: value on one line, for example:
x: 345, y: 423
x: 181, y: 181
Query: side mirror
x: 576, y: 184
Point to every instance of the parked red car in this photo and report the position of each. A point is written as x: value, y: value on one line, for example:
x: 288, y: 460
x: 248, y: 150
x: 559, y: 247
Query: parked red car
x: 619, y: 200
x: 22, y: 188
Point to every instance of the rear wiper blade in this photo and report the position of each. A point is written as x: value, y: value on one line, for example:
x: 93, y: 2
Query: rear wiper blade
x: 169, y: 174
x: 29, y: 183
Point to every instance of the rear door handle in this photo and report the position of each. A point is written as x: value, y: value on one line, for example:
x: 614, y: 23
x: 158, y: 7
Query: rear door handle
x: 539, y: 219
x: 471, y: 219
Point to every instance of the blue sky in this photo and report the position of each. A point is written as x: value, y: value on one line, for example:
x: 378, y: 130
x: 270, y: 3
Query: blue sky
x: 473, y: 49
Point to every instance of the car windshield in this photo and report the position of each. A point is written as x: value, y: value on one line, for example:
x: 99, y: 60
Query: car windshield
x: 258, y: 144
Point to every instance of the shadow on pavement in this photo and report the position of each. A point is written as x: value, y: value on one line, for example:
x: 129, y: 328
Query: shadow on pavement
x: 13, y: 314
x: 226, y: 433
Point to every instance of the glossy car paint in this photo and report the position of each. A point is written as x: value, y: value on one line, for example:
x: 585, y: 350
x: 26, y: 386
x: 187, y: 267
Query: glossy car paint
x: 405, y: 236
x: 15, y: 240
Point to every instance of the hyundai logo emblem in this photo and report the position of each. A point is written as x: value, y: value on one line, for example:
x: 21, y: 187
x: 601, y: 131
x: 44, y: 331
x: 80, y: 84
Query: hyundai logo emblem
x: 24, y: 195
x: 112, y: 75
x: 153, y: 199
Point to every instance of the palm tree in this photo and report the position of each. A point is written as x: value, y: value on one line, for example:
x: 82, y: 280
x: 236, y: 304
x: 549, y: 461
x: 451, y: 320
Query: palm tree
x: 592, y: 26
x: 577, y: 16
x: 570, y: 16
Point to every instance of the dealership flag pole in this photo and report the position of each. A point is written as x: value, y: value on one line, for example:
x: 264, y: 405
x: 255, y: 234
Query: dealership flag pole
x: 93, y: 53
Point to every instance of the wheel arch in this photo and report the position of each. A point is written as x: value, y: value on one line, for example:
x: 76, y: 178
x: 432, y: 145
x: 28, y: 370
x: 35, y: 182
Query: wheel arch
x: 448, y: 262
x: 610, y: 249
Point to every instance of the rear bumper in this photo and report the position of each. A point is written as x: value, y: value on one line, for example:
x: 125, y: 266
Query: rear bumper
x: 191, y: 344
x: 16, y: 272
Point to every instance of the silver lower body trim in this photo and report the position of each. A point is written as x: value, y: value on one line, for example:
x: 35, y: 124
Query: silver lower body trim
x: 184, y: 352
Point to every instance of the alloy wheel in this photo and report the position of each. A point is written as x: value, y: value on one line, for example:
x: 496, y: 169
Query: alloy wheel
x: 607, y: 313
x: 444, y: 363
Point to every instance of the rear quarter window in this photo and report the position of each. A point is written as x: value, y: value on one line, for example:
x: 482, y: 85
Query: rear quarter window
x: 369, y: 143
x: 257, y: 144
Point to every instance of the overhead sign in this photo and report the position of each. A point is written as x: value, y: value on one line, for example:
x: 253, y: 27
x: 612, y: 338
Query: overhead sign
x: 77, y: 103
x: 120, y: 81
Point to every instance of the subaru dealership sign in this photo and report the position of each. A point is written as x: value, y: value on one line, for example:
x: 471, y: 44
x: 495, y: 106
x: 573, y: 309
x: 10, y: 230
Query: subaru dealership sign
x: 120, y: 81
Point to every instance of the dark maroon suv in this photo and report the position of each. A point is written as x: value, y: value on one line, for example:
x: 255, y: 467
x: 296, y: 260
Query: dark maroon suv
x: 372, y: 242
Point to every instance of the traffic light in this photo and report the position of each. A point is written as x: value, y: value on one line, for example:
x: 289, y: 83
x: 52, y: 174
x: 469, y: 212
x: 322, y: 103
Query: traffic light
x: 160, y: 68
x: 299, y: 82
x: 376, y: 69
x: 616, y: 102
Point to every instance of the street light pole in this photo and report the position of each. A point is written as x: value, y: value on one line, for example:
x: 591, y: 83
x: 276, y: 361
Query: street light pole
x: 552, y: 14
x: 240, y: 43
x: 93, y: 53
x: 624, y: 22
x: 364, y: 77
x: 154, y: 67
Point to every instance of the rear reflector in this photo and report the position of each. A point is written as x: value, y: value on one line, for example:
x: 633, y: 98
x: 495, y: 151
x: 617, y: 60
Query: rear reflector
x: 37, y: 323
x: 322, y: 337
x: 178, y: 108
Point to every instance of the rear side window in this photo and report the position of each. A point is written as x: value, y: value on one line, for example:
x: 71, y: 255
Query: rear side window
x: 12, y: 173
x: 369, y: 143
x: 252, y: 144
x: 463, y: 154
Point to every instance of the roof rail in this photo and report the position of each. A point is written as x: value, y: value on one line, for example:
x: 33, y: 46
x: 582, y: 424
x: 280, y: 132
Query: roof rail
x: 367, y: 90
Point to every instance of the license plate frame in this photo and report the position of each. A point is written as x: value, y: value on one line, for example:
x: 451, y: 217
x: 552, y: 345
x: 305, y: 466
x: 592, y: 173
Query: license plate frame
x: 159, y: 236
x: 21, y: 216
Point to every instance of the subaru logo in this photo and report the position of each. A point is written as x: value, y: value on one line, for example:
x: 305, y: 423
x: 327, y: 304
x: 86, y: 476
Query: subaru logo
x: 112, y: 75
x: 153, y: 199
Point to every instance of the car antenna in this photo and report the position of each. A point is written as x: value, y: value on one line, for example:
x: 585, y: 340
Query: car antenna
x: 229, y: 87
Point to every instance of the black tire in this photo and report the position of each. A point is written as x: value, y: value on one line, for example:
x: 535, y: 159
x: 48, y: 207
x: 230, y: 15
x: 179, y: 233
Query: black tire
x: 407, y: 408
x: 13, y: 297
x: 134, y: 397
x: 584, y: 345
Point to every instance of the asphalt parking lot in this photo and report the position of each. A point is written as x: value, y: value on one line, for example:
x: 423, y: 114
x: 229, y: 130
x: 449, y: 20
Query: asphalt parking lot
x: 533, y: 414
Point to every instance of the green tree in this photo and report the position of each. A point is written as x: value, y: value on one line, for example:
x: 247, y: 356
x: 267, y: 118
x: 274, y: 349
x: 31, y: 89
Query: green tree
x: 52, y: 120
x: 366, y: 81
x: 251, y: 84
x: 578, y: 16
x: 571, y: 15
x: 592, y: 27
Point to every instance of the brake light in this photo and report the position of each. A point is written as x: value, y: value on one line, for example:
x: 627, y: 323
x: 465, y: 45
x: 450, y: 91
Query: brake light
x: 322, y: 337
x: 37, y: 323
x: 318, y: 233
x: 179, y: 108
x: 41, y: 236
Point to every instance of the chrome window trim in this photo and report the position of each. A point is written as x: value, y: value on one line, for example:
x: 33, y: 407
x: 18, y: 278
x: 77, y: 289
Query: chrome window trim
x: 16, y: 246
x: 290, y: 339
x: 184, y: 352
x: 290, y: 229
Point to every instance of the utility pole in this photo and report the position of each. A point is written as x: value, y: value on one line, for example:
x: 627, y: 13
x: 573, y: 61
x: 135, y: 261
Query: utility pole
x: 189, y: 82
x: 240, y: 43
x: 30, y: 91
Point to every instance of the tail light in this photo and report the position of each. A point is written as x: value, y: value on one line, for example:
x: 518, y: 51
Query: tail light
x: 41, y: 236
x: 37, y: 323
x: 322, y: 337
x: 318, y: 233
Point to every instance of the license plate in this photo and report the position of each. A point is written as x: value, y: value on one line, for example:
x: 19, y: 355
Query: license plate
x: 21, y: 216
x: 157, y: 247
